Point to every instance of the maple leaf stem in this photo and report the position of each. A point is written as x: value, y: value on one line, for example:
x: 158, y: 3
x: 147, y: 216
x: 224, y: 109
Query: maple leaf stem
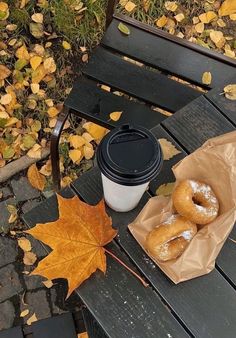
x: 126, y: 266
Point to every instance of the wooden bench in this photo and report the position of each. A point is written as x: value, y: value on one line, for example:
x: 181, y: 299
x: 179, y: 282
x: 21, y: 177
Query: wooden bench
x: 170, y: 78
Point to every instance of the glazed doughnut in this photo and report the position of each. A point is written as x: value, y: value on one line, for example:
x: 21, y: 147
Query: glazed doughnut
x: 169, y: 240
x: 196, y: 201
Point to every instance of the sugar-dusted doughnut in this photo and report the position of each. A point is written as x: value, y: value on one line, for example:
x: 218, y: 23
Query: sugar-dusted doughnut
x: 196, y: 201
x: 169, y: 239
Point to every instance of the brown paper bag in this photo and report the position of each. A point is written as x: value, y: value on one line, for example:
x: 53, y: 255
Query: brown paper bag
x: 215, y: 164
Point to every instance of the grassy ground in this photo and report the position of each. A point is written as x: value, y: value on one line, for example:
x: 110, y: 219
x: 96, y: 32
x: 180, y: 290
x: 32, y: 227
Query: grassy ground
x: 64, y: 34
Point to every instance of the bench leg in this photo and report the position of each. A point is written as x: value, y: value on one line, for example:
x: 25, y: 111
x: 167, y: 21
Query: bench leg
x: 54, y: 148
x: 110, y: 11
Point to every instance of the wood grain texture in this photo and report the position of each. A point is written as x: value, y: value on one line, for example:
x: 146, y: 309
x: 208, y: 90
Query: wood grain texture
x: 166, y: 175
x: 196, y: 123
x: 146, y: 84
x: 61, y: 326
x: 15, y: 332
x: 206, y: 304
x: 226, y: 106
x: 118, y: 301
x: 166, y: 55
x: 95, y: 105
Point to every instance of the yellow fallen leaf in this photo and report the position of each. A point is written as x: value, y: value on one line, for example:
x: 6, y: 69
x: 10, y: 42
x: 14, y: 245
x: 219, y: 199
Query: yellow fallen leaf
x: 230, y: 91
x: 5, y: 99
x: 38, y: 74
x: 11, y: 27
x: 32, y: 319
x: 11, y: 121
x: 29, y: 258
x: 66, y: 45
x: 96, y: 131
x: 171, y: 5
x: 106, y: 88
x: 35, y: 61
x: 24, y: 244
x: 87, y: 137
x: 37, y: 180
x: 83, y: 335
x: 165, y: 189
x: 4, y: 72
x: 218, y: 38
x: 4, y: 115
x: 34, y: 88
x: 37, y: 17
x: 161, y: 22
x: 38, y: 49
x: 115, y: 116
x: 146, y: 5
x: 88, y: 152
x: 130, y: 6
x: 35, y: 151
x: 75, y: 155
x: 228, y: 7
x: 49, y: 65
x: 22, y: 53
x: 76, y: 141
x: 207, y: 17
x: 179, y: 17
x: 4, y: 10
x: 168, y: 149
x: 65, y: 181
x: 199, y: 27
x: 206, y: 78
x: 232, y: 17
x: 24, y: 313
x: 48, y: 283
x: 52, y: 111
x: 49, y: 102
x: 2, y: 163
x: 221, y: 23
x: 12, y: 218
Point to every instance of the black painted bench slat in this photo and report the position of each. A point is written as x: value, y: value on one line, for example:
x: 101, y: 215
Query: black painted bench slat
x: 146, y: 84
x: 196, y: 123
x: 15, y: 332
x: 163, y: 54
x: 96, y: 104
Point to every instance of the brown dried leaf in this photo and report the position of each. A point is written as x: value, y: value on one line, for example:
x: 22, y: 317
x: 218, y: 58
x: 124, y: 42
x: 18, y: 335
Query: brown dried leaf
x: 168, y: 149
x: 29, y: 258
x: 4, y: 72
x: 36, y: 179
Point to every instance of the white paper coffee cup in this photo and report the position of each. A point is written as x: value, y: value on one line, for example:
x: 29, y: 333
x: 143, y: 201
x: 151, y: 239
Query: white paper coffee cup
x: 129, y: 157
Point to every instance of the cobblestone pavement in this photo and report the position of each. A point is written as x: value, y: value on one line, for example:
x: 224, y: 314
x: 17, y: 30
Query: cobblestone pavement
x: 18, y: 291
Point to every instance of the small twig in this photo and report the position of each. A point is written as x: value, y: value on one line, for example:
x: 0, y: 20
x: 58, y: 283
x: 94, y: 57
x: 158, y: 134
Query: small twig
x: 126, y: 266
x: 233, y: 240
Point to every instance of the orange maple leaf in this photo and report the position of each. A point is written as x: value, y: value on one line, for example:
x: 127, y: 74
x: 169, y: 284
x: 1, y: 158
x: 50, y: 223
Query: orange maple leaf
x: 77, y: 239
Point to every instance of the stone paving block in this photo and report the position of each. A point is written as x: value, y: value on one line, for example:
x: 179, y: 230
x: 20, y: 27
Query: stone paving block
x: 6, y: 192
x: 7, y: 314
x: 56, y: 310
x: 37, y: 303
x: 37, y: 247
x: 33, y: 282
x: 9, y: 282
x: 8, y: 251
x: 23, y: 190
x: 30, y: 205
x: 4, y: 215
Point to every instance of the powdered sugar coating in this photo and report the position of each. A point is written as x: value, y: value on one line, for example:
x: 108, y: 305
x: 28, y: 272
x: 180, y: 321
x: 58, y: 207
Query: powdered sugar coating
x: 188, y: 234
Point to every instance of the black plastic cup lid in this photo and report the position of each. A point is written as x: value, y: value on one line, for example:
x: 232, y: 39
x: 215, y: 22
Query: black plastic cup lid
x: 130, y: 155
